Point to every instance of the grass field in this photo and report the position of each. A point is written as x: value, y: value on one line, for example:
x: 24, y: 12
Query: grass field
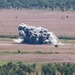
x: 55, y: 21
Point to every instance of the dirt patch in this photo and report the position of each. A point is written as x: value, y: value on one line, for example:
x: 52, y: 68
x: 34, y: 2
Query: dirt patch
x: 61, y: 49
x: 40, y: 58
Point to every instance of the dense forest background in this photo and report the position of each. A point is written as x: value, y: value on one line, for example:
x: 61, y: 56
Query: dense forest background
x: 38, y: 4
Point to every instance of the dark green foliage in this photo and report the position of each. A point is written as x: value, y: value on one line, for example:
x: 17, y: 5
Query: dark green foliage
x: 66, y: 69
x: 19, y: 68
x: 39, y: 4
x: 49, y: 69
x: 63, y: 69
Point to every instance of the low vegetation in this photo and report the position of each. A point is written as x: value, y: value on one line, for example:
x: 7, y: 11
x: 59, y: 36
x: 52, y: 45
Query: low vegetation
x: 5, y: 39
x: 20, y: 52
x: 16, y: 36
x: 67, y: 41
x: 64, y: 39
x: 8, y: 36
x: 20, y: 68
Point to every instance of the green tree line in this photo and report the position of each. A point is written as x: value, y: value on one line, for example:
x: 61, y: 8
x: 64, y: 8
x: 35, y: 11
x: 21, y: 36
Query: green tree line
x: 39, y: 4
x: 58, y: 69
x: 20, y: 68
x: 17, y: 69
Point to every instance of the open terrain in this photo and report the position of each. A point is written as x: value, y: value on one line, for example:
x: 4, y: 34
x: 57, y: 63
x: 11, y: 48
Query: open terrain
x: 36, y: 53
x: 61, y: 23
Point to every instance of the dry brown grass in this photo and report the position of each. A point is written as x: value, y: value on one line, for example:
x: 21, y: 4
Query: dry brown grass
x: 55, y: 21
x: 66, y: 53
